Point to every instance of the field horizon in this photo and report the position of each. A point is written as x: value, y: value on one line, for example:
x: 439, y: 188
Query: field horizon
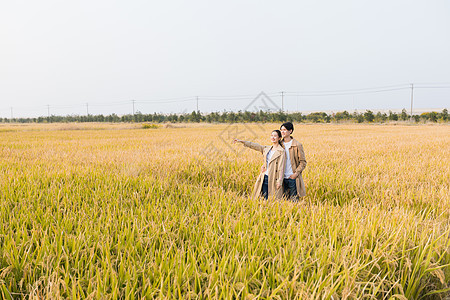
x: 121, y: 210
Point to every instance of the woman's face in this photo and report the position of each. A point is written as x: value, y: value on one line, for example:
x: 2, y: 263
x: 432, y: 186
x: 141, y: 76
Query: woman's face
x: 274, y: 137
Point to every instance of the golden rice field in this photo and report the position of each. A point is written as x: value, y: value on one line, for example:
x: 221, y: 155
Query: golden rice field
x: 115, y: 211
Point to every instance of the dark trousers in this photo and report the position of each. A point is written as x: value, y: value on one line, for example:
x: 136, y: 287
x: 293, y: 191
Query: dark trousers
x: 290, y: 189
x: 265, y: 187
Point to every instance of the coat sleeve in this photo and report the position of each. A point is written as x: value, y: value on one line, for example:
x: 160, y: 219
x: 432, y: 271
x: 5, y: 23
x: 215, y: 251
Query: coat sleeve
x: 301, y: 155
x: 254, y: 146
x: 281, y: 167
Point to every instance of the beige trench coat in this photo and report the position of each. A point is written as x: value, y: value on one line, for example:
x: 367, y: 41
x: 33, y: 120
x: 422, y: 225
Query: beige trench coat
x: 276, y: 170
x: 298, y: 163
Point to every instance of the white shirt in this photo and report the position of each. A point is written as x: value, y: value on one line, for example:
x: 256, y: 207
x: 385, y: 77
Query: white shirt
x: 288, y: 169
x: 269, y: 156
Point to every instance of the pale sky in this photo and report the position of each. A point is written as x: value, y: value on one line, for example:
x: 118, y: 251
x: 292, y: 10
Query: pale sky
x: 106, y: 53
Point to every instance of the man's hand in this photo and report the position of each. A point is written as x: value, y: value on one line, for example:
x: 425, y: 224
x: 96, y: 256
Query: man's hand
x: 263, y: 169
x: 278, y: 186
x: 294, y: 176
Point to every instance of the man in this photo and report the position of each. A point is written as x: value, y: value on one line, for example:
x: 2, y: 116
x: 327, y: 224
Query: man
x: 293, y: 184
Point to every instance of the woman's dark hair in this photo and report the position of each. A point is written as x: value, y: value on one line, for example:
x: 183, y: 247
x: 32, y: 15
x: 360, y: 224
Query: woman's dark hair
x: 288, y: 126
x: 279, y: 135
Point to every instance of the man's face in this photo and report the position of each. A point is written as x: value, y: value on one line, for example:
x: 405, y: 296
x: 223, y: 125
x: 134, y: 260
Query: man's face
x: 285, y: 132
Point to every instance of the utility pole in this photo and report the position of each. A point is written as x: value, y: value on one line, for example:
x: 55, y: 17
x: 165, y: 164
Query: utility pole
x: 412, y: 98
x: 48, y: 111
x: 282, y: 101
x: 87, y: 108
x: 133, y: 105
x: 197, y: 103
x: 12, y: 116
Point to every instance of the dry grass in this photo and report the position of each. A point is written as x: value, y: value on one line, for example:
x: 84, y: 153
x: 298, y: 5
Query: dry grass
x: 136, y: 213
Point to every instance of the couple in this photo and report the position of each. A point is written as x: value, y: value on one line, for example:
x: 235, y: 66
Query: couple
x: 284, y: 162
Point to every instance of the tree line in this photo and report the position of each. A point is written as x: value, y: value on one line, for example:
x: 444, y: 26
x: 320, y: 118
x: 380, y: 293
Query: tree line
x: 243, y: 116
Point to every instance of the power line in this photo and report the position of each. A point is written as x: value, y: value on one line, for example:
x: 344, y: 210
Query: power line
x: 240, y: 97
x: 230, y: 96
x: 432, y: 83
x: 363, y: 90
x: 356, y: 92
x: 166, y: 101
x: 432, y: 87
x: 359, y: 89
x: 117, y: 103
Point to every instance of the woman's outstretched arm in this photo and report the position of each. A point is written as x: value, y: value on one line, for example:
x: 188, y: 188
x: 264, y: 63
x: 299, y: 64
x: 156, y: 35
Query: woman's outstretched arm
x: 251, y: 145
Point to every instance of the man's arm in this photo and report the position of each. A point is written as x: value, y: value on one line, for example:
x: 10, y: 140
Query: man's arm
x: 302, y: 159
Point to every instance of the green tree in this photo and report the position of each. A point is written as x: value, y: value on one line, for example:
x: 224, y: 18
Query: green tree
x: 404, y: 115
x: 444, y: 115
x: 380, y: 117
x: 368, y: 116
x: 392, y: 116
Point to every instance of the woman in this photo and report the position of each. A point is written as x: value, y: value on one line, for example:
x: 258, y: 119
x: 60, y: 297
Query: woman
x: 270, y: 180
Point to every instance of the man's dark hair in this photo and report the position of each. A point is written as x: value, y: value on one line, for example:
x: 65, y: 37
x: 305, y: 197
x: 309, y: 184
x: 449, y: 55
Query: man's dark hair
x: 288, y: 126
